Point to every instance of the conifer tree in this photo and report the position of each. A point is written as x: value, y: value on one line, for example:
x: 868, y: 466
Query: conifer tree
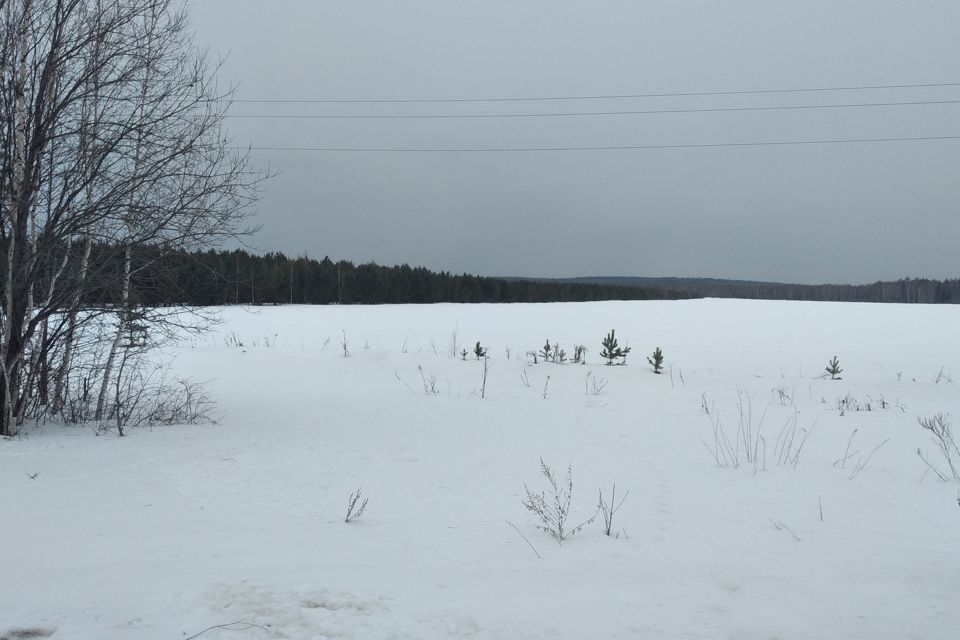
x: 833, y: 368
x: 656, y: 360
x: 612, y: 350
x: 479, y: 351
x: 547, y: 352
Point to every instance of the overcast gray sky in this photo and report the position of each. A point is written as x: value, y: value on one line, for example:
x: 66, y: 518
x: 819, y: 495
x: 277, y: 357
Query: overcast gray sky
x: 854, y: 212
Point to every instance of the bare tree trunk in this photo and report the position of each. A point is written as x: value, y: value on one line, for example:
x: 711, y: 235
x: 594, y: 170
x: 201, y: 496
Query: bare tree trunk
x: 13, y: 318
x: 89, y: 122
x: 122, y: 317
x: 61, y: 384
x: 124, y: 312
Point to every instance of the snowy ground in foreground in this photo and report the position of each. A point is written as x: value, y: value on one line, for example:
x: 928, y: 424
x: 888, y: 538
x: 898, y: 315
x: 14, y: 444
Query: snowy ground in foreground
x: 172, y: 530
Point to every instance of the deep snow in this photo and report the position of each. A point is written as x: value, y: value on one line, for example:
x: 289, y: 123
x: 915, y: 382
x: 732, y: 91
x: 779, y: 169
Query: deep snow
x: 172, y: 530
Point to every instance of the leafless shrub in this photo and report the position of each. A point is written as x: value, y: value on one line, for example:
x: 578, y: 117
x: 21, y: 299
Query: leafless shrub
x: 145, y: 397
x: 680, y: 375
x: 429, y: 383
x: 862, y: 463
x: 524, y: 379
x: 849, y: 404
x: 939, y: 428
x: 748, y: 446
x: 608, y: 510
x: 579, y: 354
x: 553, y: 512
x: 353, y: 511
x: 842, y: 462
x: 453, y: 345
x: 784, y: 395
x: 399, y: 379
x: 943, y: 376
x: 143, y: 392
x: 594, y: 385
x: 787, y: 448
x: 486, y: 369
x: 266, y: 342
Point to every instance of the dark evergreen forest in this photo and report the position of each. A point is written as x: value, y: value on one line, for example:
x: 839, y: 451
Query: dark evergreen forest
x: 241, y: 277
x: 905, y: 290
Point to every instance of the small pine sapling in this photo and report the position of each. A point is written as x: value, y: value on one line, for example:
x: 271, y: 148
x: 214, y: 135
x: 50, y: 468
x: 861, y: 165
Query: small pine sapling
x: 546, y: 352
x: 656, y: 360
x: 464, y: 354
x: 612, y: 350
x: 479, y: 351
x: 833, y: 368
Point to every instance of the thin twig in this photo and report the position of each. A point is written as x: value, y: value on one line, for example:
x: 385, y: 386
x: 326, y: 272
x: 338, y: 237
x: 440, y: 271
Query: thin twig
x: 524, y: 538
x: 779, y: 526
x: 238, y: 626
x: 860, y: 466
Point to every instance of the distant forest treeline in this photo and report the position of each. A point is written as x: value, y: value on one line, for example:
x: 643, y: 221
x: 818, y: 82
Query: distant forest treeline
x: 239, y: 277
x: 907, y: 290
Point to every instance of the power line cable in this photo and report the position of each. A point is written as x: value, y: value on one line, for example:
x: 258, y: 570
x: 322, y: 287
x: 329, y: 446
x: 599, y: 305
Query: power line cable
x: 711, y: 145
x: 684, y: 94
x: 584, y: 113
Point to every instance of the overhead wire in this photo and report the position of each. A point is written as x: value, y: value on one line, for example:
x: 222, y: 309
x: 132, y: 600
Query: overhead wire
x: 680, y: 94
x: 322, y: 116
x: 709, y: 145
x: 541, y: 114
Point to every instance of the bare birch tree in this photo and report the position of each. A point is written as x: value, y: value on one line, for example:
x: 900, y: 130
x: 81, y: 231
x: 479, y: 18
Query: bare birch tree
x: 112, y: 141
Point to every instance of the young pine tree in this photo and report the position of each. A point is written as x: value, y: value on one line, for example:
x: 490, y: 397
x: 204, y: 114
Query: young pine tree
x: 547, y: 352
x: 656, y: 359
x: 479, y: 351
x: 612, y: 350
x: 833, y: 368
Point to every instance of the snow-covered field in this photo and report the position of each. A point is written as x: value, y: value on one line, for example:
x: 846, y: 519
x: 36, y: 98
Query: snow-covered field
x: 169, y: 531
